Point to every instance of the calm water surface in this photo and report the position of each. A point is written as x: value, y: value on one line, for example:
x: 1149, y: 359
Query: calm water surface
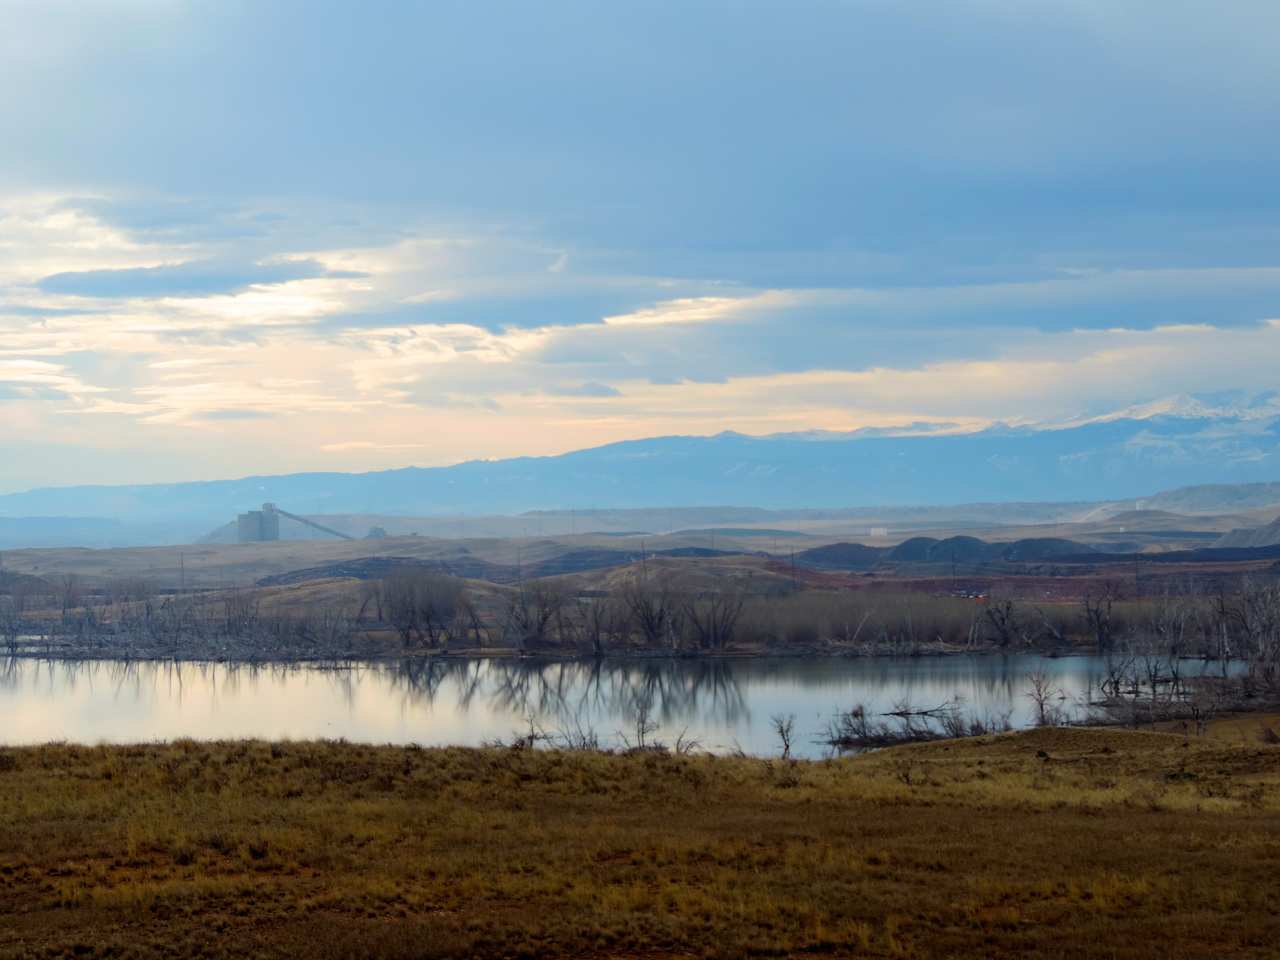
x: 724, y: 703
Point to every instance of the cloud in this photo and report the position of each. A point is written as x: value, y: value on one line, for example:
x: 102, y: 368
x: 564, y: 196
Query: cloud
x: 180, y: 219
x: 350, y: 446
x: 24, y: 310
x: 43, y: 375
x: 589, y: 389
x: 1052, y: 213
x: 195, y: 278
x: 742, y: 135
x: 232, y: 415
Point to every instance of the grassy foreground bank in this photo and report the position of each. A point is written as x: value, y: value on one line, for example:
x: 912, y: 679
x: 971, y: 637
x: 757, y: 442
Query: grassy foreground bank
x: 1055, y: 842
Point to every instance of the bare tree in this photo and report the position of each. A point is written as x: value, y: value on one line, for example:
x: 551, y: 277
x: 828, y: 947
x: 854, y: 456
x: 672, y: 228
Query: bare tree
x: 644, y: 726
x: 532, y: 608
x: 330, y: 626
x: 421, y: 603
x: 1098, y: 608
x: 240, y: 613
x: 467, y: 622
x: 1050, y: 630
x: 784, y: 728
x: 1005, y: 619
x: 598, y: 623
x: 12, y: 608
x: 402, y: 609
x: 71, y: 592
x: 651, y: 603
x: 714, y: 616
x: 1172, y: 616
x: 438, y: 598
x: 1253, y: 616
x: 372, y: 595
x: 1042, y: 693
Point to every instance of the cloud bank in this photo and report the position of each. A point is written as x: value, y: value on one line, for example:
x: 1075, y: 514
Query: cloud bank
x: 251, y: 238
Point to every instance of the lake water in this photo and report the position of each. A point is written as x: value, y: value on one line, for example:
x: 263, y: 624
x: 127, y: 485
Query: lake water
x: 724, y: 703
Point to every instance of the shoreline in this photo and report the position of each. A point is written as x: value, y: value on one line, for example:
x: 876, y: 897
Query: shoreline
x: 508, y: 653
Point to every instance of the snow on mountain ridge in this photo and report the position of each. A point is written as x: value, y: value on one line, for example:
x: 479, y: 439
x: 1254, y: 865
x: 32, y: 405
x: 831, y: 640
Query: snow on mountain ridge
x: 1228, y: 405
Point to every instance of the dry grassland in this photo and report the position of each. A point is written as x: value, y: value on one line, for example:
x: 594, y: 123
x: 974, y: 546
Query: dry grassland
x: 1050, y: 843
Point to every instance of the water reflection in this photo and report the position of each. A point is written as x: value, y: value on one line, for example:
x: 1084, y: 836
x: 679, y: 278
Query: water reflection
x: 724, y: 703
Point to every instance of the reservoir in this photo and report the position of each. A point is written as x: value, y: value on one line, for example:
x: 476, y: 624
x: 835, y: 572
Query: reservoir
x: 725, y: 704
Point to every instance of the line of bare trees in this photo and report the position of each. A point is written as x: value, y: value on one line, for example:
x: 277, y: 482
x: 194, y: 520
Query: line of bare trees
x: 131, y: 618
x: 432, y: 611
x: 656, y: 611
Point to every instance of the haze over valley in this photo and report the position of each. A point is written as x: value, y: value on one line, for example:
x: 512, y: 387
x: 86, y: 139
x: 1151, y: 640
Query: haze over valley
x: 1133, y: 458
x: 674, y: 479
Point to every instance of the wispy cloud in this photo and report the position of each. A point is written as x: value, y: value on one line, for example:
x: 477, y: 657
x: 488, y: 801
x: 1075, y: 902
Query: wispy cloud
x: 591, y: 388
x: 197, y: 278
x: 1046, y: 217
x: 355, y: 446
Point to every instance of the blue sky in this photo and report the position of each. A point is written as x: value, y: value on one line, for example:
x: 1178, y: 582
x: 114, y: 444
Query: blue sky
x: 270, y: 236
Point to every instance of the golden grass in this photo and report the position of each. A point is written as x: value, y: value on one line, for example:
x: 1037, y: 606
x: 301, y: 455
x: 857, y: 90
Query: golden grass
x: 1050, y: 843
x: 1245, y: 729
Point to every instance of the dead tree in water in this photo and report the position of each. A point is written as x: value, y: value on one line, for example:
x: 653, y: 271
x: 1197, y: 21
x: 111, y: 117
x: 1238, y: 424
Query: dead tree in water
x: 1041, y: 693
x: 1253, y: 617
x: 11, y: 620
x: 784, y: 726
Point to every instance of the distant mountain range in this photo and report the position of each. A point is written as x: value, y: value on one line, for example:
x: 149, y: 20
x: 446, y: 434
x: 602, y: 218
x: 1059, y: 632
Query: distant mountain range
x: 1225, y: 449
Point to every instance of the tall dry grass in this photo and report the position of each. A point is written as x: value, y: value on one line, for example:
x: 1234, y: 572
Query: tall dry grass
x: 1047, y: 843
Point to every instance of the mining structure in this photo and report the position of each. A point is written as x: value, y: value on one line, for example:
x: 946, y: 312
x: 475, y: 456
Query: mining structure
x: 259, y: 526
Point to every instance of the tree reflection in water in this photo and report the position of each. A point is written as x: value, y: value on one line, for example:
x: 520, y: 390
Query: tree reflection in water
x: 571, y: 693
x: 446, y: 700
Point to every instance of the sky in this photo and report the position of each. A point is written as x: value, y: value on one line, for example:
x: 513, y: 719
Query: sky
x: 269, y: 236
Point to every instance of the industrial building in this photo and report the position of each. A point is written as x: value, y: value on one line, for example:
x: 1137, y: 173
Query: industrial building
x: 258, y: 526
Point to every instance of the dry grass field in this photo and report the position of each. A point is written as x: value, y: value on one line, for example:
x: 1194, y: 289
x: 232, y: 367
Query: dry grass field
x: 207, y: 566
x: 1049, y: 843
